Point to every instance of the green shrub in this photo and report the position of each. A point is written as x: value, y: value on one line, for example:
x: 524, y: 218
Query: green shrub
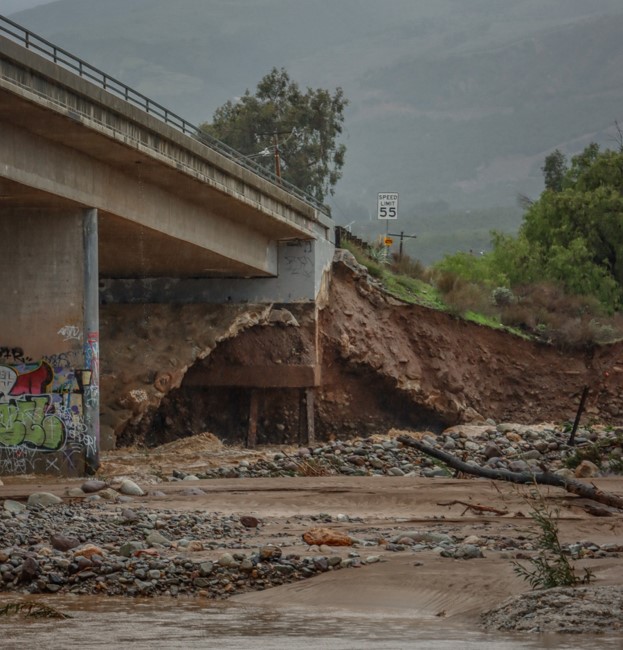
x: 552, y: 567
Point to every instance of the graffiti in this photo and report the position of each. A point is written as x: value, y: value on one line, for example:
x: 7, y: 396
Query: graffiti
x: 51, y: 464
x: 25, y: 379
x: 45, y: 409
x: 61, y: 361
x: 92, y: 356
x: 19, y: 460
x: 70, y: 333
x: 300, y: 265
x: 16, y: 354
x: 299, y: 260
x: 29, y: 422
x: 91, y: 396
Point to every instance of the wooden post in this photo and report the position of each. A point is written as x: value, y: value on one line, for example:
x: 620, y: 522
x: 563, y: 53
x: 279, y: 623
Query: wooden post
x: 309, y: 404
x: 578, y: 415
x: 253, y: 412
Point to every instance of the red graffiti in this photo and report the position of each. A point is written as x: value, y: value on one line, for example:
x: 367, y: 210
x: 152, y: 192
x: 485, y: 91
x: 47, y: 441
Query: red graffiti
x: 37, y: 380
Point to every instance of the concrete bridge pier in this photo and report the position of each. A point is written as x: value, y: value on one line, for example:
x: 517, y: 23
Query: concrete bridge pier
x: 49, y: 341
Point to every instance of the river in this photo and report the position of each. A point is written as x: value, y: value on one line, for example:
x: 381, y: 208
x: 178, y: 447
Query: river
x: 116, y: 624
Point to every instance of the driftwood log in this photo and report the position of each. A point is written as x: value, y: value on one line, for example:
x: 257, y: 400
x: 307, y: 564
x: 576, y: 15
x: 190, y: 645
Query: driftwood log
x: 543, y: 478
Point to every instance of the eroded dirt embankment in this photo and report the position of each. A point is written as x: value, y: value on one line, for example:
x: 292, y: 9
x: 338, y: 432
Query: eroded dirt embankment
x: 382, y: 364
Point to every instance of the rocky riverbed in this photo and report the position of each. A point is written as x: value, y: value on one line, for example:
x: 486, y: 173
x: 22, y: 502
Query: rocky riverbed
x: 204, y: 529
x: 513, y: 447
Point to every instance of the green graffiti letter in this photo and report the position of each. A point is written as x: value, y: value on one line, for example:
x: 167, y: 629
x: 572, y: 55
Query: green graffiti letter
x: 25, y: 422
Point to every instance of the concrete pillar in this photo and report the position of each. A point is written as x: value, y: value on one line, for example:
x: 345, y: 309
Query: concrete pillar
x: 91, y: 373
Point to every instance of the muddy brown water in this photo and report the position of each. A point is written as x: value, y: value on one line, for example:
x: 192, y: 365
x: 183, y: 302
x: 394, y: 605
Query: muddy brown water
x: 117, y: 623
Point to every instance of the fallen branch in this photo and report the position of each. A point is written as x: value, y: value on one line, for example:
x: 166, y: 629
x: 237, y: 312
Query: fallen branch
x: 475, y: 507
x: 543, y: 478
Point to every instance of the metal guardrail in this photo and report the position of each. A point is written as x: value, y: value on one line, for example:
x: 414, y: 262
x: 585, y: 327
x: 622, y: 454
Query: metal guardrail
x: 65, y: 59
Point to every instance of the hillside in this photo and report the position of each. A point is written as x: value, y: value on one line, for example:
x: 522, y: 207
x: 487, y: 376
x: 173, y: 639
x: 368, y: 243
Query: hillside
x: 450, y: 103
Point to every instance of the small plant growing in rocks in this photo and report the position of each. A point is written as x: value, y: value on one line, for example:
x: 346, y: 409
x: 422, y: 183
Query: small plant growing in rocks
x: 551, y: 568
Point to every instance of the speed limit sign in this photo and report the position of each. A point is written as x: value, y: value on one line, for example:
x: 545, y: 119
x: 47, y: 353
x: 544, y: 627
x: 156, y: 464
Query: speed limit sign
x: 387, y: 205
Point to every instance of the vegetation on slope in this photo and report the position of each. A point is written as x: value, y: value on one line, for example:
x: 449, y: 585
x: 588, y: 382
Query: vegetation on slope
x: 560, y: 279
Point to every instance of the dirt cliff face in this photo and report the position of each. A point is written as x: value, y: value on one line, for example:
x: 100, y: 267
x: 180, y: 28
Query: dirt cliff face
x: 381, y: 364
x: 458, y: 370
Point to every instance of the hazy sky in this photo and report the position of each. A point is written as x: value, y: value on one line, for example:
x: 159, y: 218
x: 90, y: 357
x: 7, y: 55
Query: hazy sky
x: 12, y: 6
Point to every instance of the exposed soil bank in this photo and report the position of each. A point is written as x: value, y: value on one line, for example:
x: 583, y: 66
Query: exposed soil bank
x: 381, y: 364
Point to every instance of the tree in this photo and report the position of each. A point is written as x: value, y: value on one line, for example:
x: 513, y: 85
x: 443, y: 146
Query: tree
x: 554, y: 170
x: 286, y: 130
x: 573, y: 234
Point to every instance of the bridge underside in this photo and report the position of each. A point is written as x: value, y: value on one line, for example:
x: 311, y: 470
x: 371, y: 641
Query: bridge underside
x: 126, y: 249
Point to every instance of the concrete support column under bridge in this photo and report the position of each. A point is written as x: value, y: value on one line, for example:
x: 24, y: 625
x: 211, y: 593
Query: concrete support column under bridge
x: 90, y: 373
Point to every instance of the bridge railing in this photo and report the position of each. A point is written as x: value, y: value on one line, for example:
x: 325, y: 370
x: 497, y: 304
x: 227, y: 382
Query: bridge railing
x: 65, y: 59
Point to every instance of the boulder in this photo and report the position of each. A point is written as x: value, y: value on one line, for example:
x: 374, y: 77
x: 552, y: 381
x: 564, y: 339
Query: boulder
x: 326, y: 536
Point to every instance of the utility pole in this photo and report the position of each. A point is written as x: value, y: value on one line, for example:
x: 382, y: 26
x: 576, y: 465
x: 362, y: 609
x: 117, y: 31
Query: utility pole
x: 402, y: 236
x: 277, y: 152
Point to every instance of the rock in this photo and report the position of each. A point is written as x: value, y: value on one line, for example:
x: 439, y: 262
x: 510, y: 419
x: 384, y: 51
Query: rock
x: 127, y: 549
x: 519, y: 466
x: 586, y: 469
x: 206, y: 568
x: 107, y: 493
x: 282, y: 317
x: 426, y: 537
x: 249, y: 522
x: 472, y: 416
x: 194, y: 546
x: 130, y: 488
x: 468, y: 551
x: 270, y: 552
x: 492, y: 450
x: 226, y: 560
x: 14, y: 507
x: 43, y: 499
x: 326, y: 536
x: 193, y: 492
x: 155, y: 538
x: 93, y: 486
x: 30, y: 569
x: 63, y: 542
x: 88, y: 551
x: 75, y: 493
x: 128, y: 516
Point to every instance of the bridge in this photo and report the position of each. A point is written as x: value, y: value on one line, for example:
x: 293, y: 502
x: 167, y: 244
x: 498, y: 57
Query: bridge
x: 103, y: 189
